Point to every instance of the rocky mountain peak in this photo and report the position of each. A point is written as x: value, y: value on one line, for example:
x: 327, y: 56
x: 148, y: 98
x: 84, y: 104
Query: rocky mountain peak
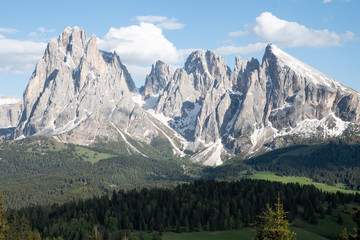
x: 160, y: 75
x: 196, y: 61
x: 206, y: 62
x: 71, y: 43
x: 79, y: 93
x: 238, y: 64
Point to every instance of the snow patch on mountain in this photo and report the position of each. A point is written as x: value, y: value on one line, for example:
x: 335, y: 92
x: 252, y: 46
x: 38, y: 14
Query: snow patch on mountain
x: 184, y: 124
x: 261, y: 135
x: 329, y: 126
x: 211, y: 156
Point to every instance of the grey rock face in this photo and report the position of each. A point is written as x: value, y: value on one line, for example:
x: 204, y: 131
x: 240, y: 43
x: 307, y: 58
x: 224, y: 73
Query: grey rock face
x: 81, y: 94
x: 10, y: 111
x: 189, y: 97
x: 157, y: 80
x: 254, y: 107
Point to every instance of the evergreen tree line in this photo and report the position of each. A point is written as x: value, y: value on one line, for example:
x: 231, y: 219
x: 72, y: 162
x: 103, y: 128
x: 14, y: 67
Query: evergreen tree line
x: 333, y: 163
x: 198, y: 206
x: 38, y: 170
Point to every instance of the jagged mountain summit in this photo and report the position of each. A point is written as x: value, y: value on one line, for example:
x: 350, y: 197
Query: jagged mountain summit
x: 157, y: 80
x: 80, y: 94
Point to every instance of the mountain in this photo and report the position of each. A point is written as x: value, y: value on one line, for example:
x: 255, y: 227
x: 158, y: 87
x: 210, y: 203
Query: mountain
x: 10, y: 111
x: 256, y: 107
x: 80, y: 94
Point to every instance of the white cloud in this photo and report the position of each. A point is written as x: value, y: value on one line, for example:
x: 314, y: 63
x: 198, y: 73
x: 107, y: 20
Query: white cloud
x: 291, y: 34
x: 42, y: 29
x: 226, y: 50
x: 161, y: 22
x: 8, y: 30
x: 270, y: 28
x: 18, y: 56
x: 140, y: 44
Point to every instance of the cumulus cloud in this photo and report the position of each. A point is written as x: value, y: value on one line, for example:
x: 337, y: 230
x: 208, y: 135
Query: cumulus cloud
x: 140, y: 44
x: 270, y: 28
x: 225, y: 50
x: 161, y: 22
x: 18, y: 56
x: 293, y: 34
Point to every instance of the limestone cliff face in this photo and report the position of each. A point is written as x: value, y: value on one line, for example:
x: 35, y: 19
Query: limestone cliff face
x: 81, y: 94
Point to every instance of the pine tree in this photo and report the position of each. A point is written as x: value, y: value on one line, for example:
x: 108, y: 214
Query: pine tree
x: 273, y: 224
x: 3, y: 221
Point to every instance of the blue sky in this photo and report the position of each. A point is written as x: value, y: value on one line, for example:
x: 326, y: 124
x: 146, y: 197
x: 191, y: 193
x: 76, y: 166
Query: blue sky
x: 322, y: 33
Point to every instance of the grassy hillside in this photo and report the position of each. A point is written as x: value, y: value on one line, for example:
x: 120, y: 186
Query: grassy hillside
x: 294, y: 179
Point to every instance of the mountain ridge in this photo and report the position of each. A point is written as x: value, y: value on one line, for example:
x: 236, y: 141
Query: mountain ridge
x: 80, y: 94
x: 244, y: 122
